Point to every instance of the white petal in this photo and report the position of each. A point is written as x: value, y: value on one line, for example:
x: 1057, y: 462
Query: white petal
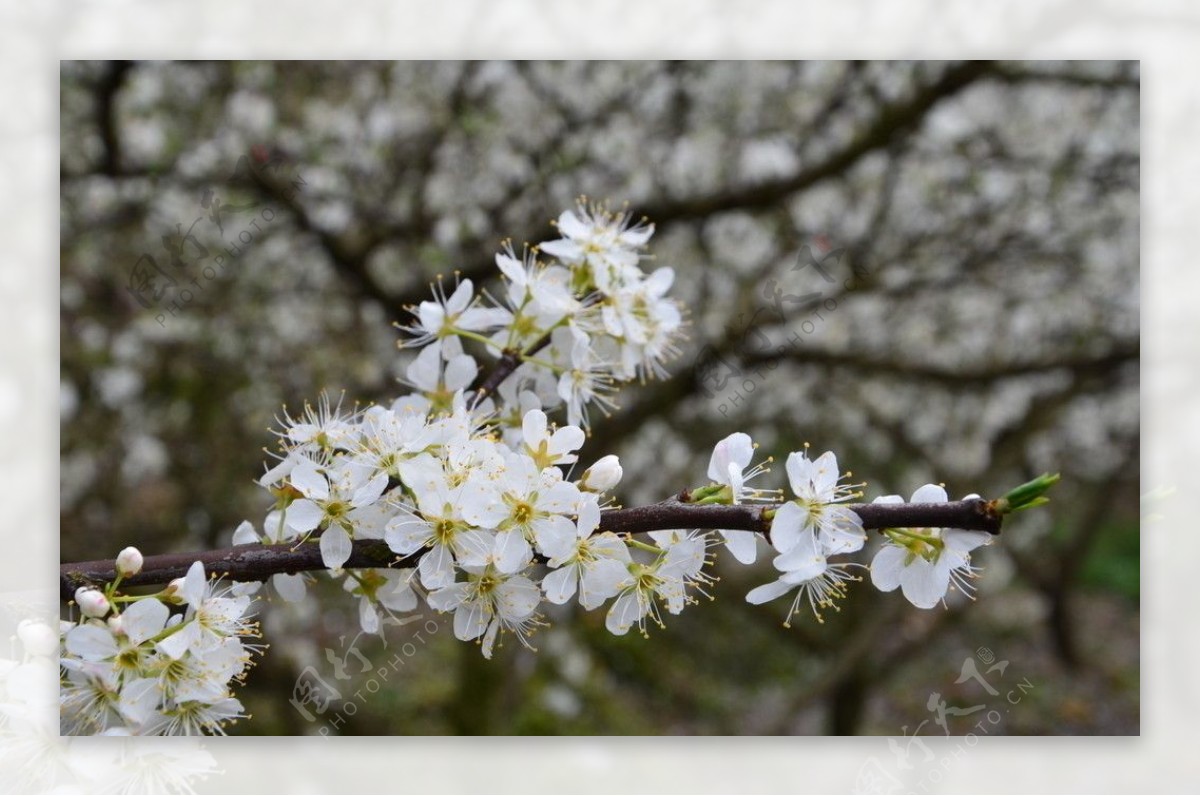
x: 964, y: 541
x: 369, y: 492
x: 804, y: 561
x: 887, y: 567
x: 924, y: 584
x: 309, y: 480
x: 91, y: 643
x: 798, y: 468
x: 930, y: 493
x: 589, y: 518
x: 512, y: 551
x: 460, y: 299
x: 470, y: 620
x: 245, y: 588
x: 406, y: 535
x: 194, y: 584
x: 742, y: 544
x: 489, y: 639
x: 511, y: 267
x: 625, y: 612
x: 424, y: 371
x: 685, y: 559
x: 144, y: 619
x: 139, y: 699
x: 602, y: 580
x: 484, y: 318
x: 612, y: 320
x: 554, y: 534
x: 399, y: 596
x: 672, y: 590
x: 479, y: 504
x: 789, y: 521
x: 565, y: 250
x: 431, y: 316
x: 175, y: 645
x: 368, y: 617
x: 824, y: 473
x: 517, y: 598
x: 841, y: 531
x: 570, y: 226
x: 245, y: 534
x: 303, y: 515
x: 736, y: 449
x: 659, y: 282
x: 436, y: 568
x: 533, y: 427
x: 460, y: 372
x: 335, y: 547
x: 474, y: 548
x: 562, y: 498
x: 565, y: 440
x: 448, y: 598
x: 290, y: 587
x: 559, y: 585
x: 768, y: 592
x: 610, y: 545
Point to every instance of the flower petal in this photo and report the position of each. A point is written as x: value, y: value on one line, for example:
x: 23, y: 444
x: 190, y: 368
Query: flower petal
x: 144, y: 619
x: 517, y: 598
x: 512, y: 551
x: 310, y: 481
x: 91, y: 643
x: 303, y: 515
x: 736, y: 449
x: 930, y: 493
x: 245, y: 534
x: 470, y: 620
x: 925, y: 584
x: 887, y: 567
x: 290, y: 587
x: 559, y: 585
x: 768, y: 592
x: 625, y: 612
x: 602, y: 580
x: 786, y: 527
x: 742, y: 544
x: 335, y: 547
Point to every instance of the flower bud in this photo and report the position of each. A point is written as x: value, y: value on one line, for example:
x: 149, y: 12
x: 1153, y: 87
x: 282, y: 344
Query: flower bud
x: 91, y: 602
x: 38, y: 639
x: 603, y: 475
x: 129, y: 562
x: 174, y: 591
x: 116, y: 623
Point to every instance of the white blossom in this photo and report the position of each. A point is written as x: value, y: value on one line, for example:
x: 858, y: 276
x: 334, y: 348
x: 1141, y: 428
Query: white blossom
x: 926, y: 562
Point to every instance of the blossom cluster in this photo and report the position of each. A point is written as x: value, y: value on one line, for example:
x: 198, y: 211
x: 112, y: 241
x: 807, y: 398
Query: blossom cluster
x: 159, y: 664
x: 582, y: 323
x: 475, y: 487
x: 477, y: 494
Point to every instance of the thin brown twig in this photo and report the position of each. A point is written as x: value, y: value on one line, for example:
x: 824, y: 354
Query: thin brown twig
x: 258, y: 562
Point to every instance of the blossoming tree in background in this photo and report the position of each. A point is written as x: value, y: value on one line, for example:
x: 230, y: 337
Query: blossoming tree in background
x: 465, y: 495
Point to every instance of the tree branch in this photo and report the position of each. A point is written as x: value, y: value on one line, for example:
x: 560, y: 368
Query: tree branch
x: 891, y: 122
x: 258, y: 562
x: 510, y: 361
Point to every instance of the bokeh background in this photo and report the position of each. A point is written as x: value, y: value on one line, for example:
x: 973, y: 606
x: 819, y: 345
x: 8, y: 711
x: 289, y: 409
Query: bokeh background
x: 979, y: 220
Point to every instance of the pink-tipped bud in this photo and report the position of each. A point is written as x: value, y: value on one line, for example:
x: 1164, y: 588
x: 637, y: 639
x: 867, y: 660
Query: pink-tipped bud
x: 91, y: 602
x: 129, y: 562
